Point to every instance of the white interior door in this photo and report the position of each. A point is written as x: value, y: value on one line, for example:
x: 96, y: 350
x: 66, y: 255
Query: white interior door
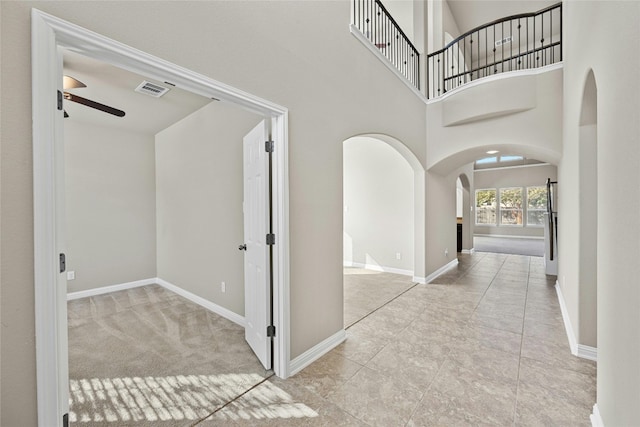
x: 257, y: 293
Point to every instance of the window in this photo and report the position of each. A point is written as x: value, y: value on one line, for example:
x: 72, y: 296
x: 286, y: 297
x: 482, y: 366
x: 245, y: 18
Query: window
x: 511, y: 158
x: 487, y: 160
x: 486, y: 207
x: 511, y: 206
x: 536, y: 206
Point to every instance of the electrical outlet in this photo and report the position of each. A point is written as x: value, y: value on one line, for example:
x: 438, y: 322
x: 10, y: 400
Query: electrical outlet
x: 223, y: 287
x: 398, y: 255
x: 446, y: 252
x: 71, y: 275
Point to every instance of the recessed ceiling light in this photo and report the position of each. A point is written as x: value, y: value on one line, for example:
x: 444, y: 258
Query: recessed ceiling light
x: 492, y: 151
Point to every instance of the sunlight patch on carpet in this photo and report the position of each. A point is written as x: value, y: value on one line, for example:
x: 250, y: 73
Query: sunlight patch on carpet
x: 179, y: 397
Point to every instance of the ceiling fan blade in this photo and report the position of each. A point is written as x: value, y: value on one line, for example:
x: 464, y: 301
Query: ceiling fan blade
x: 89, y: 103
x: 69, y: 82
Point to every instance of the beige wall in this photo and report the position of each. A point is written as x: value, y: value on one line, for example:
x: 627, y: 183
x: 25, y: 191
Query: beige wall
x: 199, y: 203
x: 618, y: 160
x: 402, y: 13
x: 378, y: 205
x: 334, y: 89
x: 513, y: 177
x: 441, y: 220
x: 110, y: 205
x: 449, y: 22
x: 464, y: 125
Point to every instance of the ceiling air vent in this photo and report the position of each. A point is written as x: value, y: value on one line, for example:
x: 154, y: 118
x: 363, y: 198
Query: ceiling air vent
x: 152, y: 89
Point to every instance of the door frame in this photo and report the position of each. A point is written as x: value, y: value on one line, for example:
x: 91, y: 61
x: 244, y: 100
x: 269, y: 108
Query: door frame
x: 49, y: 34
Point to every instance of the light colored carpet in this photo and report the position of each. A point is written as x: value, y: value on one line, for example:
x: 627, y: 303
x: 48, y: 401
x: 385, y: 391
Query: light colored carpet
x: 516, y: 246
x: 148, y: 357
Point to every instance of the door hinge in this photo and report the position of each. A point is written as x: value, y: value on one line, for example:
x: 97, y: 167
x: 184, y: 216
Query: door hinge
x: 271, y: 331
x: 271, y: 239
x: 60, y: 97
x: 63, y: 263
x: 269, y: 146
x: 65, y: 420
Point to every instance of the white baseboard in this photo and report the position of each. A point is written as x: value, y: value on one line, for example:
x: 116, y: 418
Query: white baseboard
x: 596, y: 419
x: 441, y: 270
x: 580, y: 350
x: 571, y: 336
x: 224, y: 312
x: 111, y: 288
x: 468, y: 251
x: 587, y: 352
x: 421, y: 280
x: 375, y: 267
x: 316, y: 352
x: 509, y: 236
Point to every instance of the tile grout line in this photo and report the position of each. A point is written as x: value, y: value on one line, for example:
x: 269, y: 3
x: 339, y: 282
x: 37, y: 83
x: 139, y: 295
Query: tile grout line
x: 218, y: 409
x: 515, y: 404
x: 448, y: 356
x: 376, y: 309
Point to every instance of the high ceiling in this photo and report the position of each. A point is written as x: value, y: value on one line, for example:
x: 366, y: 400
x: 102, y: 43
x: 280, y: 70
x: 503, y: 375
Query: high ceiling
x: 115, y: 87
x: 470, y: 14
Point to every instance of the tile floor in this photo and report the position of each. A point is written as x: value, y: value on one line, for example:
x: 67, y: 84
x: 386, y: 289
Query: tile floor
x: 366, y: 291
x: 482, y: 345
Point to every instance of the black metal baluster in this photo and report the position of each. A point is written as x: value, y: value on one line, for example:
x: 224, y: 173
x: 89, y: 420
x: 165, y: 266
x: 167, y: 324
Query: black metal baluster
x: 478, y: 44
x: 464, y: 55
x: 486, y: 52
x: 438, y: 74
x: 511, y: 46
x: 560, y: 31
x: 542, y: 40
x: 502, y: 56
x: 534, y: 53
x: 551, y: 60
x: 519, y: 43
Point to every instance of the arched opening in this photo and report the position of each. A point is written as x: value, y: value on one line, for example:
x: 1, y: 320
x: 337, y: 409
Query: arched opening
x: 381, y: 178
x: 509, y: 217
x: 463, y: 214
x: 588, y: 265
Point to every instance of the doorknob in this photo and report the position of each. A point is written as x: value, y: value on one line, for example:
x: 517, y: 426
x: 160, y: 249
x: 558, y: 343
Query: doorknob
x: 242, y: 247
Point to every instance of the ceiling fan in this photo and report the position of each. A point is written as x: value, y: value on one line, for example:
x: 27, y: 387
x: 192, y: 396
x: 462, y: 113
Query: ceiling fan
x: 71, y: 83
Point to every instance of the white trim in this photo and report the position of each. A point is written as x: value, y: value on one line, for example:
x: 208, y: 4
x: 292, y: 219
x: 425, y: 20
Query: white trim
x: 48, y: 35
x: 281, y: 268
x: 111, y: 288
x: 317, y: 351
x: 441, y: 270
x: 512, y: 167
x: 573, y: 343
x: 505, y: 236
x: 587, y: 352
x: 499, y: 76
x: 224, y: 312
x: 375, y: 267
x: 420, y: 280
x: 376, y: 52
x: 596, y: 418
x: 468, y: 251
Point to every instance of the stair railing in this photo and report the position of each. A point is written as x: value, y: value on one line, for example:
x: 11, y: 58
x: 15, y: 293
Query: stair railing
x: 517, y: 42
x: 376, y: 23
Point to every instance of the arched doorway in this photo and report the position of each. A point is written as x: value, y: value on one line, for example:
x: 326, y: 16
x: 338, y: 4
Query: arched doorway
x: 588, y: 270
x: 382, y: 183
x: 463, y: 214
